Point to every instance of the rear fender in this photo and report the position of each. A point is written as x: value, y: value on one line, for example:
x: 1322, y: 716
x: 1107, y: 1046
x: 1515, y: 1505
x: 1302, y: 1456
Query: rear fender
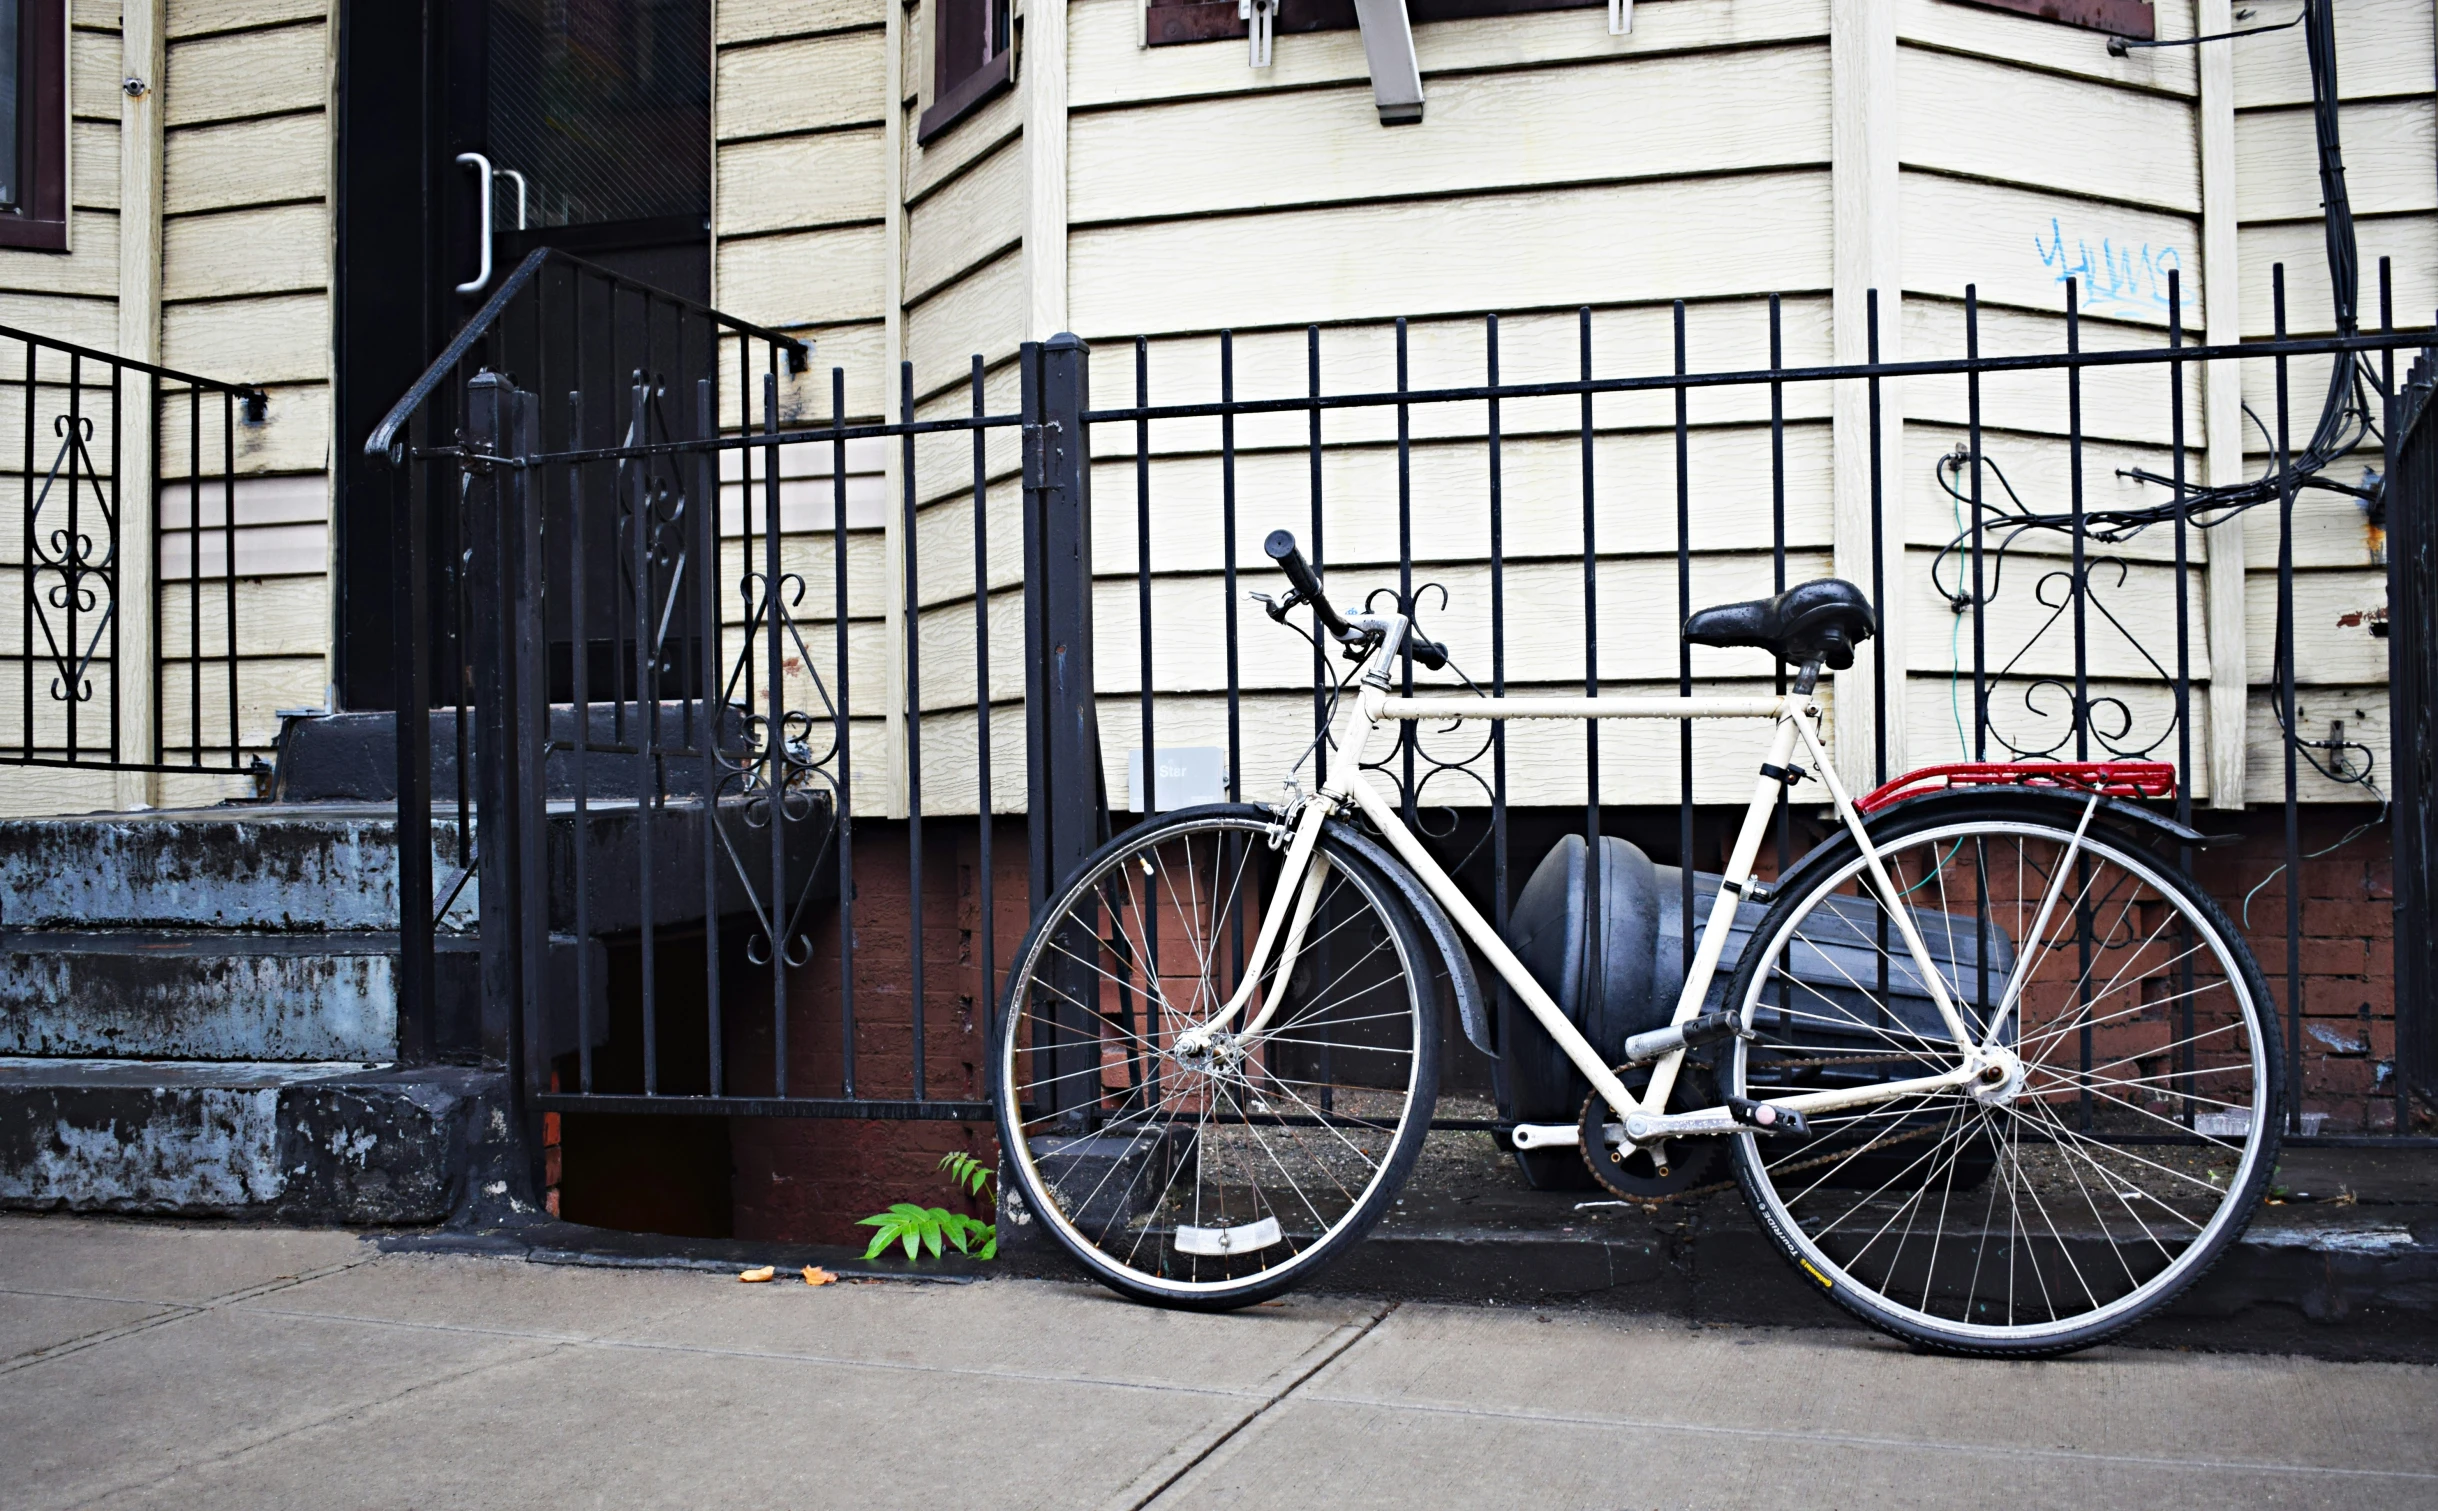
x: 2053, y: 803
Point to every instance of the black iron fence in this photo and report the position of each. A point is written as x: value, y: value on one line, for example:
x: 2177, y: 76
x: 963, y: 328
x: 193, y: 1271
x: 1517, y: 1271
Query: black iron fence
x: 2412, y: 641
x: 122, y: 647
x: 686, y: 714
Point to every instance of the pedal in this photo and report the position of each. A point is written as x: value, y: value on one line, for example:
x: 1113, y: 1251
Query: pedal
x: 1709, y: 1028
x: 1767, y: 1117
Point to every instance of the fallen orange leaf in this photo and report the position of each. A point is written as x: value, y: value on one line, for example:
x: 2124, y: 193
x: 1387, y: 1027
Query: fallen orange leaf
x: 757, y: 1274
x: 816, y: 1275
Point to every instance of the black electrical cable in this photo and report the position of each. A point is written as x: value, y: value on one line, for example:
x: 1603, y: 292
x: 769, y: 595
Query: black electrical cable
x: 2120, y: 46
x: 2345, y: 419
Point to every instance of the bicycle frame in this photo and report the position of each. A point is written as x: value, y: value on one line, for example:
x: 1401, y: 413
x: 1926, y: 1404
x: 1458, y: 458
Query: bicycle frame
x: 1796, y: 716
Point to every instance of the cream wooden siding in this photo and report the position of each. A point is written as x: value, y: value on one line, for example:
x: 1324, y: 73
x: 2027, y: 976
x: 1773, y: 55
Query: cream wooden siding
x: 2389, y: 118
x: 1557, y: 167
x: 69, y: 296
x: 799, y: 100
x: 245, y: 297
x: 800, y: 189
x: 2029, y: 157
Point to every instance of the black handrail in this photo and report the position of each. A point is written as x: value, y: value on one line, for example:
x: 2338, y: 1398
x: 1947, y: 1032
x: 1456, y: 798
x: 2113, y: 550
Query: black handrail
x: 253, y: 396
x: 383, y: 441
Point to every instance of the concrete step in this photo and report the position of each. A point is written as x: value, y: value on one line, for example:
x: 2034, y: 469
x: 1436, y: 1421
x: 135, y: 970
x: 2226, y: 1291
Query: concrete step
x: 323, y: 1143
x: 283, y: 867
x: 199, y: 994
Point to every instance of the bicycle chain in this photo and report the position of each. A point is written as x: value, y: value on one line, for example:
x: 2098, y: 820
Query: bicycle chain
x: 1810, y: 1164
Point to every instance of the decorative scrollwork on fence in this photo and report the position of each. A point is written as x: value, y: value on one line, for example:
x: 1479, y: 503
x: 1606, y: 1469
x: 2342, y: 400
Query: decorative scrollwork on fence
x: 2107, y: 720
x: 2056, y: 721
x: 1415, y: 765
x: 774, y: 774
x: 69, y: 577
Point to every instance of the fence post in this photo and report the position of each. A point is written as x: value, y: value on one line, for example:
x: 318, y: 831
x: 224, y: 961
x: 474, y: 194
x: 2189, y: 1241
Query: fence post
x: 1069, y: 813
x: 493, y: 580
x: 2412, y: 690
x: 1068, y: 809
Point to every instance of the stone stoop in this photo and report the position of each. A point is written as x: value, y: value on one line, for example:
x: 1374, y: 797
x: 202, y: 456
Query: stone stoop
x: 198, y: 1015
x: 292, y: 1141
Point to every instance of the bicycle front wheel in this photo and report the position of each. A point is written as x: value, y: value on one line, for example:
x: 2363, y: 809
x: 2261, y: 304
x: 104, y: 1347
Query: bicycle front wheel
x: 2118, y: 1142
x: 1212, y: 1175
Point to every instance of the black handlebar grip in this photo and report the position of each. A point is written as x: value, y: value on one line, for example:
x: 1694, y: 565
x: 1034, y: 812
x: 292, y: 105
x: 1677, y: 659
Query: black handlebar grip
x: 1429, y: 653
x: 1307, y: 583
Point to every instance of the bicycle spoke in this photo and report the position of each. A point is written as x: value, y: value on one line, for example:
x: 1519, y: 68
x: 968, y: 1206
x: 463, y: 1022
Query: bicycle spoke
x: 2098, y: 1196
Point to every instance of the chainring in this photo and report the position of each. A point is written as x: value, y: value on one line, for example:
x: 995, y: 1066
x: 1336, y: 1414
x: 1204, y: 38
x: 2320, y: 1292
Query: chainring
x: 1628, y: 1171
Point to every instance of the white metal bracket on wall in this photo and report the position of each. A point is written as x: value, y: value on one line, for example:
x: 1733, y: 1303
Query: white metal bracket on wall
x: 1388, y: 45
x: 1620, y: 18
x: 1259, y: 17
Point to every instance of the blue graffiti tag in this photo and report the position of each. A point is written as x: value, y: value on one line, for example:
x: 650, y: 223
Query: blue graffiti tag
x: 2113, y: 280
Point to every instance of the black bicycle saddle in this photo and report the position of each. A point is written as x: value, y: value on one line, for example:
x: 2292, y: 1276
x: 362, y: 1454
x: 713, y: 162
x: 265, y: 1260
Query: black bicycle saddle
x: 1821, y: 620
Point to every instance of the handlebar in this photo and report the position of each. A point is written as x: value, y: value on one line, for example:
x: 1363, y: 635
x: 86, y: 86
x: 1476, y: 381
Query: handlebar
x: 1307, y: 584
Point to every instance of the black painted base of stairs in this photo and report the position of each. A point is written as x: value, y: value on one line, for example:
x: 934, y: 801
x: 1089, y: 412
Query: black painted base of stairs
x: 328, y: 1143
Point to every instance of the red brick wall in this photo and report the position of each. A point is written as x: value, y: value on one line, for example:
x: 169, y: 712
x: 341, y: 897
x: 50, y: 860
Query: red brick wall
x: 809, y: 1179
x: 2348, y: 946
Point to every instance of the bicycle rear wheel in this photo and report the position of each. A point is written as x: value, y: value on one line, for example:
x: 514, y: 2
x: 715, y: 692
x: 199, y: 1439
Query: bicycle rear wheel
x: 1214, y: 1178
x: 2120, y: 1145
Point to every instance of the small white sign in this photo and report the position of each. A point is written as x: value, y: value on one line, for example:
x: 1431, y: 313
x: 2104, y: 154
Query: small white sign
x: 1250, y: 1238
x: 1188, y: 774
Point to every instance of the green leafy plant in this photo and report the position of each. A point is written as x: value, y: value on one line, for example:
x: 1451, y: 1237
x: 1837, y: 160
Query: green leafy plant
x: 936, y: 1228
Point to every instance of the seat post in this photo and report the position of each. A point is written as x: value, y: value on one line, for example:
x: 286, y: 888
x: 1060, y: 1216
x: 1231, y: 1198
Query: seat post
x: 1808, y: 678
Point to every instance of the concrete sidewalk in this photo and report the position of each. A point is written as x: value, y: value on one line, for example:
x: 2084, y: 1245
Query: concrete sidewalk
x: 203, y: 1366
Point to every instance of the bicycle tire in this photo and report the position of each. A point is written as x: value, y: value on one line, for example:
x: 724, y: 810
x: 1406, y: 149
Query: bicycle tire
x: 1234, y: 1106
x: 2072, y: 1156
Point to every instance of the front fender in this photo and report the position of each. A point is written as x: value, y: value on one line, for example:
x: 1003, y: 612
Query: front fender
x: 1471, y: 1011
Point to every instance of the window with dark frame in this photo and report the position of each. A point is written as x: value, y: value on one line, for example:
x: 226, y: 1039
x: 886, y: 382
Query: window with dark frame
x: 34, y: 125
x: 1170, y: 22
x: 972, y: 60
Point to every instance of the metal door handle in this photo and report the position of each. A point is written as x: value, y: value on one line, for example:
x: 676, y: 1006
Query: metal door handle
x: 482, y: 176
x: 520, y: 194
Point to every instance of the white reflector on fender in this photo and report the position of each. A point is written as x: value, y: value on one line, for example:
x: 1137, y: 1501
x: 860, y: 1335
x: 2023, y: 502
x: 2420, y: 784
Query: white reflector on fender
x: 1244, y: 1240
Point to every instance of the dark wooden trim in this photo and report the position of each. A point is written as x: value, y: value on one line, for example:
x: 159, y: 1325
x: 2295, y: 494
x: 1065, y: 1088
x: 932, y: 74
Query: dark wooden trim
x: 2118, y: 18
x: 1216, y: 20
x: 971, y: 93
x: 42, y: 131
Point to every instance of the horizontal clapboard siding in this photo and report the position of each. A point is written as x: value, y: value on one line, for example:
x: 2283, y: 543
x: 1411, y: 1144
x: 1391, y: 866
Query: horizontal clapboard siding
x: 1697, y: 114
x: 967, y: 220
x: 800, y: 192
x: 2032, y: 42
x: 2390, y: 133
x: 1995, y: 120
x: 236, y: 75
x: 245, y: 284
x: 1698, y: 239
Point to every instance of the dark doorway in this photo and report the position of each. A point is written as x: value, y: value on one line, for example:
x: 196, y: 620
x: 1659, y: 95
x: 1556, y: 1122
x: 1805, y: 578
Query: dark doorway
x: 579, y: 124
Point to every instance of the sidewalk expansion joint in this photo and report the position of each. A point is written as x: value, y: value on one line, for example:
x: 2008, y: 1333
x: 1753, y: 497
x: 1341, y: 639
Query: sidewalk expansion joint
x: 170, y: 1311
x: 1161, y: 1477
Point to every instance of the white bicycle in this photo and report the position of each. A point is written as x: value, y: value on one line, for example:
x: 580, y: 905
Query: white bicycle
x: 1992, y: 1074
